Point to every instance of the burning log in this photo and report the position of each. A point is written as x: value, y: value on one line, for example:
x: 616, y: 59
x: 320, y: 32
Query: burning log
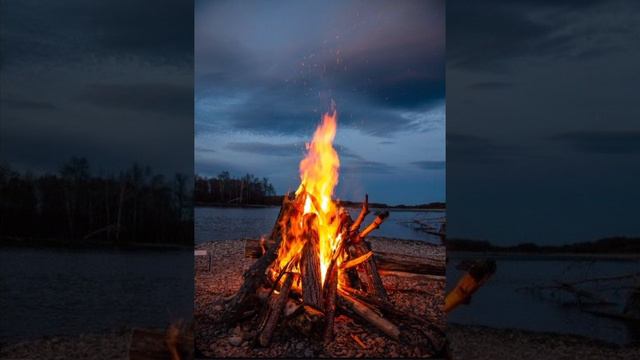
x: 332, y: 280
x: 385, y: 261
x: 310, y: 269
x: 331, y: 289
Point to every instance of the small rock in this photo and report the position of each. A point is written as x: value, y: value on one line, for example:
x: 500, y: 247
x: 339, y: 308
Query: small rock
x: 308, y: 353
x: 238, y: 330
x: 299, y: 346
x: 249, y: 335
x: 235, y: 340
x: 217, y: 308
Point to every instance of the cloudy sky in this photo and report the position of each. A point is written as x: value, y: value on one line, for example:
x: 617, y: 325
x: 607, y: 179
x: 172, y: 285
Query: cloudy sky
x: 543, y: 120
x: 265, y: 72
x: 543, y: 134
x: 110, y: 80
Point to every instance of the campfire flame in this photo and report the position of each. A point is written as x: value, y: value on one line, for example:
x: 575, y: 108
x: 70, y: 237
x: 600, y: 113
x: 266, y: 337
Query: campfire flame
x: 318, y: 212
x: 318, y: 253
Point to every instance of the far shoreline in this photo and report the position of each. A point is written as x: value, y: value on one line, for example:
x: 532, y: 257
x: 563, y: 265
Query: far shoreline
x: 397, y: 208
x: 542, y: 256
x: 54, y: 244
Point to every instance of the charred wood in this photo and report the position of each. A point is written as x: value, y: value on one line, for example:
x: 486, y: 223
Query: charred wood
x: 277, y: 303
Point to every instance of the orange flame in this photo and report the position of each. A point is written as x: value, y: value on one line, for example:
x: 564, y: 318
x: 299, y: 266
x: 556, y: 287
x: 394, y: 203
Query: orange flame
x: 319, y: 176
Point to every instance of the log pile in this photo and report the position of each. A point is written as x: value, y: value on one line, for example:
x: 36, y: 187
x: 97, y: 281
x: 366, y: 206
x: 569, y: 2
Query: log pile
x: 386, y: 262
x: 298, y: 294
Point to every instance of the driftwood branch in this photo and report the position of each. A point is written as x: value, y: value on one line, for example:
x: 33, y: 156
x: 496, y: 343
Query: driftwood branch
x: 374, y: 225
x: 363, y: 213
x: 366, y: 313
x: 478, y: 274
x: 412, y: 276
x: 409, y: 322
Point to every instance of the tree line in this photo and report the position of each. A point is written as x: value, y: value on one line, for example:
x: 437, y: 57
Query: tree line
x: 608, y: 245
x: 74, y: 205
x: 226, y: 190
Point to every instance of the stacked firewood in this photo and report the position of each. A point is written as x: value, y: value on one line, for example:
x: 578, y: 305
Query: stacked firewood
x: 295, y: 295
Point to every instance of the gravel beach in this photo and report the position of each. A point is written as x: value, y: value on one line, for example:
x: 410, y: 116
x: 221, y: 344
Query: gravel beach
x: 423, y: 298
x: 466, y: 342
x: 479, y: 342
x: 91, y: 346
x: 228, y: 263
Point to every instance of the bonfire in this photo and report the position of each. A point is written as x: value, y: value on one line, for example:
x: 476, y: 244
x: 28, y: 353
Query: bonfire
x: 318, y: 261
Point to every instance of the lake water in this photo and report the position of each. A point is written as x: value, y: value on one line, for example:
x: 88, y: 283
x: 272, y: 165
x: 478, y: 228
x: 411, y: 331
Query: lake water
x: 56, y: 292
x: 503, y: 303
x: 66, y: 292
x: 214, y: 223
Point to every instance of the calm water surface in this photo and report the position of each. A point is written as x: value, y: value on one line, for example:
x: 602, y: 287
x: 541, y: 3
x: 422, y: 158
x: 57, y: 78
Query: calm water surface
x: 503, y: 303
x: 65, y: 292
x: 213, y: 223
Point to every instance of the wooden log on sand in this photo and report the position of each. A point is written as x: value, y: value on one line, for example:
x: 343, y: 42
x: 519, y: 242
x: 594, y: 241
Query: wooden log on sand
x: 368, y: 314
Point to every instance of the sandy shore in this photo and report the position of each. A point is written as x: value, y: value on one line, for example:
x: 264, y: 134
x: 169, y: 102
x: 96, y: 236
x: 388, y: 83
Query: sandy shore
x: 225, y: 278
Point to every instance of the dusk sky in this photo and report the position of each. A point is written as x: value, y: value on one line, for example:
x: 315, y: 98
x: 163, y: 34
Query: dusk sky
x: 542, y: 129
x: 543, y: 120
x: 108, y: 80
x: 265, y: 72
